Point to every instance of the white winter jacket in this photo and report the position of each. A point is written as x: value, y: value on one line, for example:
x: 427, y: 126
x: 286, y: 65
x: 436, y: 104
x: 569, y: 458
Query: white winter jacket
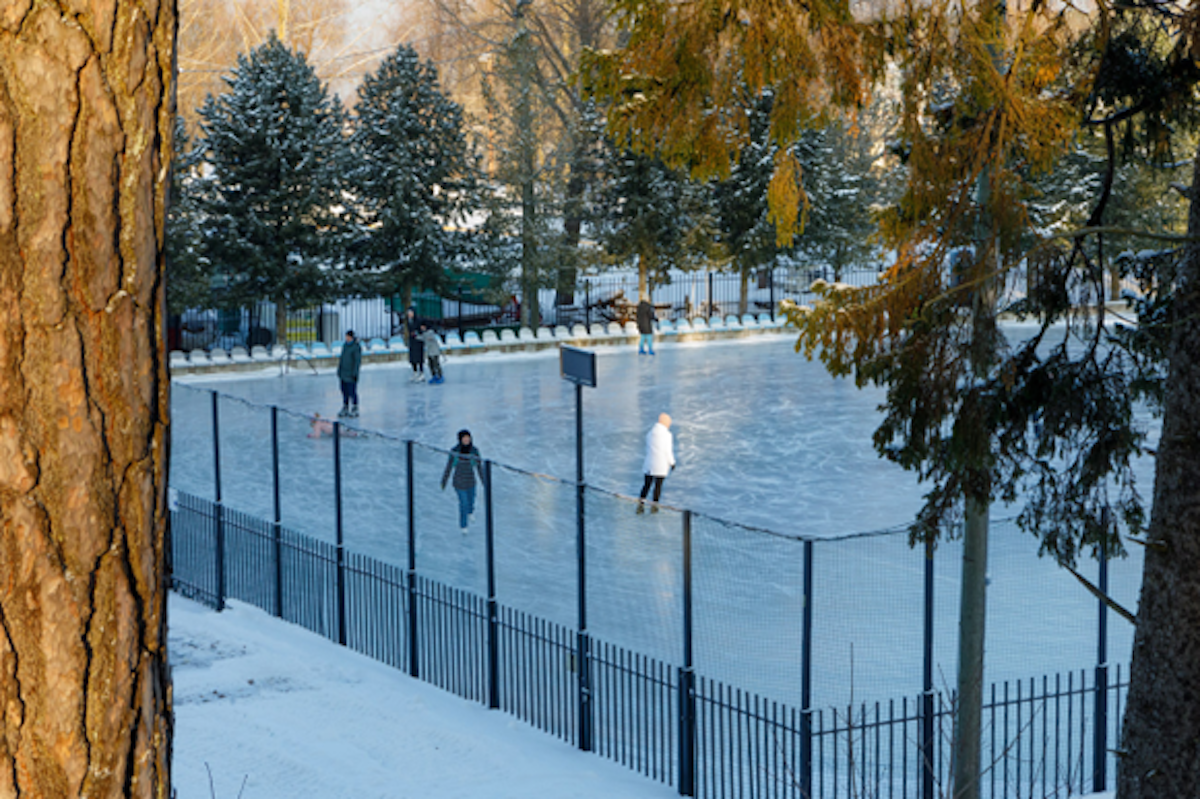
x: 660, y: 452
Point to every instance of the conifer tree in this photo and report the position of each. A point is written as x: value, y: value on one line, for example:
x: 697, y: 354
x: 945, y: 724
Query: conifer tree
x: 651, y: 212
x: 744, y: 233
x: 411, y: 175
x: 274, y: 154
x: 187, y: 268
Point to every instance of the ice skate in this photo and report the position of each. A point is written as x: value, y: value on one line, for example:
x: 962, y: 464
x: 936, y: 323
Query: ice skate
x: 353, y: 412
x: 343, y: 413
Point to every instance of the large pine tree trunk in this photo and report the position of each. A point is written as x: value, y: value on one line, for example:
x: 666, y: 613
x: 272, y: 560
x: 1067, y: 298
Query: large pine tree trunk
x: 85, y: 131
x: 1161, y: 746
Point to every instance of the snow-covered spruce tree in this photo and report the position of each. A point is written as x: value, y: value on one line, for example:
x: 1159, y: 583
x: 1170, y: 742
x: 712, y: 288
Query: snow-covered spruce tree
x: 275, y: 153
x: 411, y: 175
x: 846, y: 176
x: 743, y: 228
x: 187, y: 268
x: 651, y: 212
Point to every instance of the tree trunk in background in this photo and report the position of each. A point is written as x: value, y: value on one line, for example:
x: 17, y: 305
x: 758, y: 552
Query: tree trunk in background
x: 1161, y: 746
x: 85, y: 133
x: 743, y: 301
x: 281, y: 331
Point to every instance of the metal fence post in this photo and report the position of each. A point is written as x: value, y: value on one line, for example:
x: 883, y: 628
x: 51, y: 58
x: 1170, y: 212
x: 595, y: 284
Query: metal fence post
x: 687, y: 675
x: 806, y: 768
x: 493, y: 629
x: 414, y: 663
x: 341, y: 543
x: 218, y: 508
x: 928, y: 777
x: 709, y: 313
x: 771, y: 286
x: 583, y: 643
x: 278, y: 527
x: 1100, y: 743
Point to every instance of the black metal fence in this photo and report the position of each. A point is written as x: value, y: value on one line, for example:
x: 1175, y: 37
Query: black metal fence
x: 590, y: 680
x: 606, y: 297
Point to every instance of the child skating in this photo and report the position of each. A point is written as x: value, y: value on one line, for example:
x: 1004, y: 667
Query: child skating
x: 433, y: 352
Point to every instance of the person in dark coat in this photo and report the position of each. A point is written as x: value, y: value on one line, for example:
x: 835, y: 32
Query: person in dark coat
x: 416, y: 347
x: 645, y: 326
x: 464, y: 462
x: 348, y: 365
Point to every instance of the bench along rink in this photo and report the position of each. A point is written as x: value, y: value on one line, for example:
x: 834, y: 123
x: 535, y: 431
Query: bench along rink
x: 764, y: 439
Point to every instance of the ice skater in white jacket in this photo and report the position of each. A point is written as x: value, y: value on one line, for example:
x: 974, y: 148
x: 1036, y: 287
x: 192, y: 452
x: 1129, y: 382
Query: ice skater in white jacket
x: 660, y: 459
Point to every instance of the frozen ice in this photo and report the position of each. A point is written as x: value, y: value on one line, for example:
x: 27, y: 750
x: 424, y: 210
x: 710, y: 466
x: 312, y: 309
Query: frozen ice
x: 764, y: 438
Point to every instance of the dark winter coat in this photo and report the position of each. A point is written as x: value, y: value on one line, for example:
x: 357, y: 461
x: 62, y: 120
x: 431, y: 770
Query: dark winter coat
x: 462, y: 463
x: 645, y: 318
x: 350, y: 362
x: 412, y: 332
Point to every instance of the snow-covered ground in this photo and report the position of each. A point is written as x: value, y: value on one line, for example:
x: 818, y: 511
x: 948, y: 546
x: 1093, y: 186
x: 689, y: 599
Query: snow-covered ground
x: 266, y: 710
x: 291, y: 715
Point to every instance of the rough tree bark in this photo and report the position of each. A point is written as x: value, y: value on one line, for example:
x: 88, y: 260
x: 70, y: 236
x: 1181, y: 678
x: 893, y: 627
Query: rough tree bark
x: 1161, y: 746
x: 85, y: 132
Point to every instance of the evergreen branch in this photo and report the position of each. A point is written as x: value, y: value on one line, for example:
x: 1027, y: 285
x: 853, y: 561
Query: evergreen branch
x: 1109, y: 602
x: 1122, y: 231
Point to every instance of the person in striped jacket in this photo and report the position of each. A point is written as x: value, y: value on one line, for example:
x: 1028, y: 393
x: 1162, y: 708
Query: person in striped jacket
x: 464, y: 463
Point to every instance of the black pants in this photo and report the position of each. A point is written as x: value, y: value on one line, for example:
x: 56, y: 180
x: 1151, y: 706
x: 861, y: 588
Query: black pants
x: 656, y: 482
x: 435, y: 365
x: 349, y: 393
x: 416, y: 356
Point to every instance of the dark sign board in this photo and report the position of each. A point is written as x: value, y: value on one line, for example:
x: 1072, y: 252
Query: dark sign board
x: 578, y: 366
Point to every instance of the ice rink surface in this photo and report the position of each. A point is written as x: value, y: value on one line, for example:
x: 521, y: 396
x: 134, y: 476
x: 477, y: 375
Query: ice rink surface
x: 764, y: 438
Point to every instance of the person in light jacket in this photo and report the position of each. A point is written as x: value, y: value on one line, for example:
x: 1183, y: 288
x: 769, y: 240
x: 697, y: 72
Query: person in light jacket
x: 660, y: 460
x: 433, y: 352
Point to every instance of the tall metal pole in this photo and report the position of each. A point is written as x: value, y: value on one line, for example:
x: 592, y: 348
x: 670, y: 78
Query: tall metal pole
x: 583, y: 643
x: 341, y: 543
x: 278, y: 526
x: 928, y: 775
x: 806, y: 770
x: 218, y: 509
x: 1100, y: 742
x: 687, y: 675
x: 414, y: 663
x: 493, y: 643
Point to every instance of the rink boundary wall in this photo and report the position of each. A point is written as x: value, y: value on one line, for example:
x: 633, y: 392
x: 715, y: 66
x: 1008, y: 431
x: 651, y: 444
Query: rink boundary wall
x: 200, y: 362
x: 525, y: 340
